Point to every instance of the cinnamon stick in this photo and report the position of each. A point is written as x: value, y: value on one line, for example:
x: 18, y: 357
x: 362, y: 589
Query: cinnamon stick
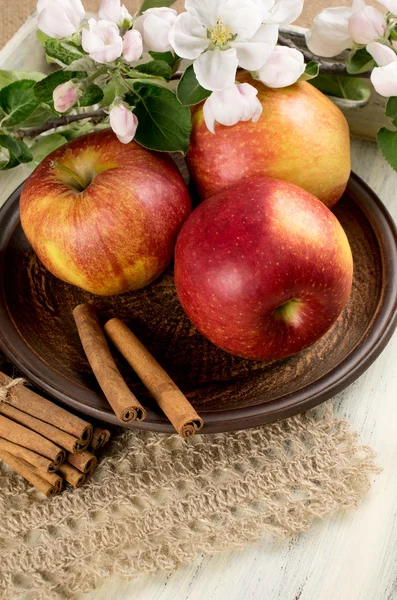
x: 16, y: 433
x: 31, y: 403
x: 73, y: 476
x: 53, y: 478
x: 70, y: 443
x: 36, y: 460
x: 121, y: 399
x: 84, y: 462
x: 100, y: 437
x: 29, y: 473
x: 168, y: 396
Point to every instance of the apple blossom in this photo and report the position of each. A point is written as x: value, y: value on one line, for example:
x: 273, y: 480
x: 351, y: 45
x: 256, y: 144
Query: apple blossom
x: 282, y: 12
x: 154, y: 25
x: 330, y: 34
x: 123, y: 122
x: 219, y: 35
x: 65, y: 96
x: 113, y: 10
x: 384, y: 77
x: 283, y: 67
x: 102, y: 41
x: 367, y: 25
x: 59, y: 18
x: 231, y: 105
x: 132, y: 46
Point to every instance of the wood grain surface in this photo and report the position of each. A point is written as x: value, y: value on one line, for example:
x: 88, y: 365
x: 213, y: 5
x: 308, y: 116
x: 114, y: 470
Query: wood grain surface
x: 350, y: 557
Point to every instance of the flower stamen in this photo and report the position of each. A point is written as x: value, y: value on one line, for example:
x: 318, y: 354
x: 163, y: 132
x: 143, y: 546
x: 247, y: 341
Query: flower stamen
x: 220, y: 35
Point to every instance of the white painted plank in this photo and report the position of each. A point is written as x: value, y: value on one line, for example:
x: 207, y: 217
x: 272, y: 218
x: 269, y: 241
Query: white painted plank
x: 350, y: 557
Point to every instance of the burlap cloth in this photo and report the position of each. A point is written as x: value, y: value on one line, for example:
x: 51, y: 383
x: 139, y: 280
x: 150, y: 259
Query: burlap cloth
x: 156, y: 501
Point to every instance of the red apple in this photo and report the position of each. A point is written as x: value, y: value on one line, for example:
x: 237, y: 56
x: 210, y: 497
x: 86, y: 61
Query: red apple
x: 301, y: 137
x: 103, y: 215
x: 263, y: 268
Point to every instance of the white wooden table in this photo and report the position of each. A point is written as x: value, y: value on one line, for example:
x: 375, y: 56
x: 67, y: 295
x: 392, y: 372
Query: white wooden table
x: 350, y: 557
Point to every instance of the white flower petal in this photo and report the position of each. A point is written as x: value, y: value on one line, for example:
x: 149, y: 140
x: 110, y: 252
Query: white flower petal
x: 253, y: 53
x: 367, y: 25
x: 102, y: 41
x: 383, y: 55
x: 216, y: 69
x: 156, y: 34
x: 391, y: 5
x: 329, y: 35
x: 231, y: 105
x: 384, y: 79
x: 282, y: 12
x: 110, y: 10
x: 132, y: 46
x: 124, y: 123
x: 243, y: 18
x: 283, y: 67
x: 188, y: 37
x: 206, y: 11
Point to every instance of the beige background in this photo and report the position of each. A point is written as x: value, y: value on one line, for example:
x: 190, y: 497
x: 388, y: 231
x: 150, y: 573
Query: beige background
x: 15, y: 12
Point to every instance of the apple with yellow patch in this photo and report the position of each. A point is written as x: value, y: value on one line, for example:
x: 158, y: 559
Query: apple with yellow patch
x: 103, y: 215
x: 301, y: 137
x: 263, y: 268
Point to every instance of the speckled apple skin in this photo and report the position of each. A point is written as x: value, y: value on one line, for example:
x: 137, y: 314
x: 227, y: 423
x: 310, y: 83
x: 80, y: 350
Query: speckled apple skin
x: 117, y: 235
x: 301, y: 137
x: 249, y: 249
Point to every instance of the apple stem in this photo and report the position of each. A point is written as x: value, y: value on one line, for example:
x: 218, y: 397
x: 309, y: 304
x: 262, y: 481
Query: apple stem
x: 72, y: 174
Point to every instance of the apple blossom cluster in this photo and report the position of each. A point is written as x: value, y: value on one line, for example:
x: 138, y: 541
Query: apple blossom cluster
x: 360, y: 27
x: 216, y: 36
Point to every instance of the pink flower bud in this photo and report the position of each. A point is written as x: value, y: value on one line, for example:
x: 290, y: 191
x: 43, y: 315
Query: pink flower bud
x: 283, y: 67
x: 132, y: 46
x: 367, y: 25
x: 123, y: 122
x: 155, y: 25
x: 65, y: 96
x: 102, y: 41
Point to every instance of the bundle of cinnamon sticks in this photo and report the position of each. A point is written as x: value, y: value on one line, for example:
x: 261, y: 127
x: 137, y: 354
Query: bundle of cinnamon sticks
x: 125, y: 405
x: 43, y: 442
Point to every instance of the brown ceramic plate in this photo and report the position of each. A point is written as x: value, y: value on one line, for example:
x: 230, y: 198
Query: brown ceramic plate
x: 38, y: 334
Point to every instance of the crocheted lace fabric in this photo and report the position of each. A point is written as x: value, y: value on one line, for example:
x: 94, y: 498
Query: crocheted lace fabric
x: 155, y: 501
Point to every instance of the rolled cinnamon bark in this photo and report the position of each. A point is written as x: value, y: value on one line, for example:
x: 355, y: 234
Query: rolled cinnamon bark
x: 100, y: 437
x: 70, y: 443
x: 30, y: 473
x: 36, y: 460
x: 31, y: 403
x: 168, y: 396
x: 123, y: 402
x: 84, y: 462
x: 73, y: 476
x: 13, y: 432
x: 53, y: 478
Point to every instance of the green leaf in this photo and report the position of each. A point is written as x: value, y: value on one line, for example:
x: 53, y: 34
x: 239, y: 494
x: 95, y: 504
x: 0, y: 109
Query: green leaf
x: 189, y: 91
x: 93, y: 95
x: 391, y: 109
x: 342, y: 87
x: 42, y: 37
x: 40, y: 115
x: 7, y: 77
x: 62, y: 52
x: 311, y: 71
x: 146, y: 4
x: 109, y: 93
x: 359, y: 61
x: 156, y: 68
x: 164, y: 124
x: 82, y: 64
x: 19, y: 152
x: 17, y: 101
x: 167, y: 57
x: 387, y: 142
x: 45, y: 145
x: 44, y: 88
